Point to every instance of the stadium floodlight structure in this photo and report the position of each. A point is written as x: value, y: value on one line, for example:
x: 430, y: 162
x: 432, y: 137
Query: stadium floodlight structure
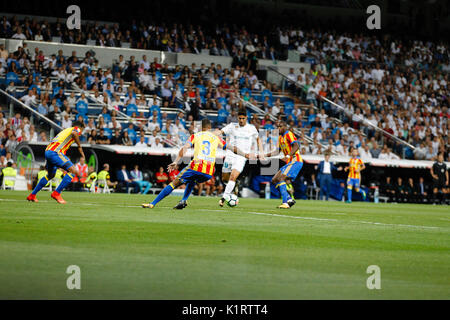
x: 341, y: 108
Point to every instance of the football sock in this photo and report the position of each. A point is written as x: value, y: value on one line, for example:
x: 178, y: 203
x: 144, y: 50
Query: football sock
x: 229, y: 188
x: 42, y: 183
x: 283, y: 190
x: 363, y: 193
x: 187, y: 192
x: 65, y: 182
x: 164, y: 193
x: 349, y: 194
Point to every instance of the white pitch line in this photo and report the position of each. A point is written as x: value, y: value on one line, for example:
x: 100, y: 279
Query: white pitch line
x: 293, y: 217
x: 394, y: 225
x: 332, y: 220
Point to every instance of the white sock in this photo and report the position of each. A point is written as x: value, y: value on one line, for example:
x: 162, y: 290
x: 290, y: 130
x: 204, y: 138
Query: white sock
x: 229, y: 188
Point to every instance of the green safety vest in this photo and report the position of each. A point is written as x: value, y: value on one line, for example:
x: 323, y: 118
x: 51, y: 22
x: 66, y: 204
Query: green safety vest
x: 57, y: 178
x: 92, y: 177
x: 42, y: 174
x: 9, y: 172
x: 289, y: 186
x: 103, y: 175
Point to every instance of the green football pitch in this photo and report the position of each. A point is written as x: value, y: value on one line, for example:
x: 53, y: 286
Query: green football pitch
x: 316, y: 250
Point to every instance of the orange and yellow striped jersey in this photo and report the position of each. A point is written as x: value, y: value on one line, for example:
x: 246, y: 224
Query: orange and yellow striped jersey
x: 285, y: 142
x: 63, y: 140
x: 205, y: 146
x: 355, y: 165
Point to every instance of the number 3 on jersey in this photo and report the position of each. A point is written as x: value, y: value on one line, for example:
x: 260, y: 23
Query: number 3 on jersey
x: 206, y: 148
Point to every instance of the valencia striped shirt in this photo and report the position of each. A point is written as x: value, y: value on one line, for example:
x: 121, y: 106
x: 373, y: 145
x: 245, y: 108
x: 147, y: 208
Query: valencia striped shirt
x: 205, y: 146
x: 285, y: 142
x: 63, y: 140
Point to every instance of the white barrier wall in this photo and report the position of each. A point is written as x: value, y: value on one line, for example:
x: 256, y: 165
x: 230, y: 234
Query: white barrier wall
x: 104, y: 55
x: 107, y: 55
x: 283, y: 67
x: 198, y: 59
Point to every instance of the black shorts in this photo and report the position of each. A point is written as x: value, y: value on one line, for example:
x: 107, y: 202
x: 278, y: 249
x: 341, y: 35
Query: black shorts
x: 439, y: 184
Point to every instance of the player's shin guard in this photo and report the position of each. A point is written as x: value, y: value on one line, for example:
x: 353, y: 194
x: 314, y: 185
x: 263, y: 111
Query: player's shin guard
x: 164, y: 193
x: 283, y: 190
x: 229, y: 188
x: 42, y: 183
x: 65, y: 182
x: 187, y: 192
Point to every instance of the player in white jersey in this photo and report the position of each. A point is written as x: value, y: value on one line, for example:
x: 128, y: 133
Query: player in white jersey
x: 243, y: 135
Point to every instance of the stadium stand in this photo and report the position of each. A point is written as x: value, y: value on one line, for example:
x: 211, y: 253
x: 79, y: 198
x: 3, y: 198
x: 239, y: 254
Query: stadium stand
x: 400, y: 87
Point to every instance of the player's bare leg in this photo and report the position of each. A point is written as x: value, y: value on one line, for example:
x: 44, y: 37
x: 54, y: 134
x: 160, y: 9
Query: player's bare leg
x: 230, y: 185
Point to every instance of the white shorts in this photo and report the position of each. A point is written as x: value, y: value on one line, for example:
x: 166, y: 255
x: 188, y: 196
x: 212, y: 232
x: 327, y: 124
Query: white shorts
x: 233, y: 163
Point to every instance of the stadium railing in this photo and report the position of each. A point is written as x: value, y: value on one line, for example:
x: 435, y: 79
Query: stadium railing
x: 14, y: 102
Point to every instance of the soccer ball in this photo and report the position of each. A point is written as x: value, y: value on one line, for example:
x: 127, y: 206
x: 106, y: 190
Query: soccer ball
x: 232, y: 200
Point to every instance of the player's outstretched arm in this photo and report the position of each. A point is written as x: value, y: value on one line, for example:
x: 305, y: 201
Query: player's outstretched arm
x: 237, y: 151
x: 274, y: 152
x: 182, y: 151
x: 261, y: 149
x: 295, y: 148
x: 77, y: 140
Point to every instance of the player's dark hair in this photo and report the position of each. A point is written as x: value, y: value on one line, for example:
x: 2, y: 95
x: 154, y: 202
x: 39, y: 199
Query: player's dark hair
x: 242, y: 112
x: 206, y: 123
x: 79, y: 124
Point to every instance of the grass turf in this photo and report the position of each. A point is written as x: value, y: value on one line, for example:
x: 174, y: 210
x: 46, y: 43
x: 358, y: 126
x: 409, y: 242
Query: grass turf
x: 316, y: 250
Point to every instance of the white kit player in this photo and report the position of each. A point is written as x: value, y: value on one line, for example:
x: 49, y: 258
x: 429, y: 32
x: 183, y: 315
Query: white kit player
x: 243, y: 135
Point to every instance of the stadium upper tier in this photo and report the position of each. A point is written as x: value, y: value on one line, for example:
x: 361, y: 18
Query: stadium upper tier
x: 235, y: 40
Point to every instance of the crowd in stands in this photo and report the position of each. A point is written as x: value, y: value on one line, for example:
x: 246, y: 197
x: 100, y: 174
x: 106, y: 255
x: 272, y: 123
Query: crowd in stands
x: 237, y: 41
x: 399, y: 86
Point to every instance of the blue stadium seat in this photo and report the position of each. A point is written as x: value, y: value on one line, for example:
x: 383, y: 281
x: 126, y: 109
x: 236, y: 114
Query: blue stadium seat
x: 177, y: 75
x: 82, y: 107
x: 201, y: 89
x: 132, y: 134
x: 223, y: 101
x: 266, y: 92
x: 106, y: 117
x: 154, y: 107
x: 131, y: 108
x: 288, y: 107
x: 108, y: 132
x: 159, y: 75
x: 11, y: 76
